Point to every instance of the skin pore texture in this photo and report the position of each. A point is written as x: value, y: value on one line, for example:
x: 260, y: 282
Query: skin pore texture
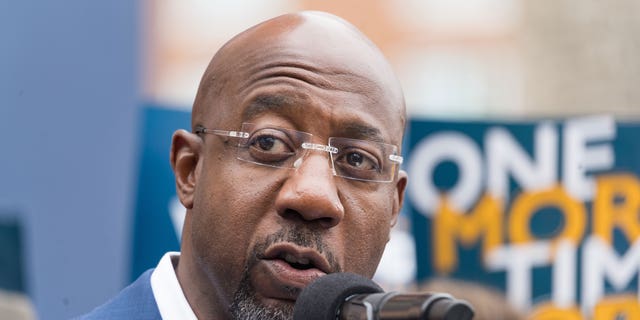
x: 311, y: 72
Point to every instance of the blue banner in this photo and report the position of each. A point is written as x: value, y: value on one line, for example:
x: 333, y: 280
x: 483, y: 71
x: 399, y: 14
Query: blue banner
x: 548, y: 211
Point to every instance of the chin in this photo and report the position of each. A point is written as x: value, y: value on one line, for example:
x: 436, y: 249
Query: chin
x: 248, y: 305
x: 262, y: 310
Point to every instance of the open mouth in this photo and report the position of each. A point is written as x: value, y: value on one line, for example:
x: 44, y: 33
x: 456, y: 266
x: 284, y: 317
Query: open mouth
x: 298, y: 258
x: 286, y: 268
x: 297, y: 263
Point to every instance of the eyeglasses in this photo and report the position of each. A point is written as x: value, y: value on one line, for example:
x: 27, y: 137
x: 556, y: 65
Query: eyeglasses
x: 285, y: 148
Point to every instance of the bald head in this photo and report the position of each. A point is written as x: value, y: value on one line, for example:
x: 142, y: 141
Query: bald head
x: 301, y: 44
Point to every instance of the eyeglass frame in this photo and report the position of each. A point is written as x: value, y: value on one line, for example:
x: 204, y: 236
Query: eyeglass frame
x: 394, y: 158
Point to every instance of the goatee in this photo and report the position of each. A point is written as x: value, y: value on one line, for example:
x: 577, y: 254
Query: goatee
x: 245, y: 305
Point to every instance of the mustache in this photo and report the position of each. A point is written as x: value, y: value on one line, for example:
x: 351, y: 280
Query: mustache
x: 245, y: 304
x: 297, y: 235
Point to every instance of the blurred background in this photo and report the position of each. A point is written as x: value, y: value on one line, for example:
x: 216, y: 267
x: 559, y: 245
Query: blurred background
x: 90, y: 93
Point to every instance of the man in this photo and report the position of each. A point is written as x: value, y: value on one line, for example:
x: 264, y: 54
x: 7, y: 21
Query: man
x: 291, y: 171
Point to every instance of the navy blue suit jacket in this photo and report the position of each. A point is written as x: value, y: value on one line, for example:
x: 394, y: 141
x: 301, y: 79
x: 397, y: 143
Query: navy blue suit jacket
x: 134, y: 302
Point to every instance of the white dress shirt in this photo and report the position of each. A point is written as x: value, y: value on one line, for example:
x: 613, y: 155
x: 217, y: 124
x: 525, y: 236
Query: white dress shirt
x: 167, y: 291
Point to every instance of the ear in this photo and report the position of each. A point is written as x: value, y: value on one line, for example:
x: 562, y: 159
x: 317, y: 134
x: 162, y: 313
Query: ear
x: 185, y: 156
x: 401, y: 185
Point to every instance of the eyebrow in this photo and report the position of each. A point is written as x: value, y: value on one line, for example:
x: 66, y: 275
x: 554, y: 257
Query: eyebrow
x: 268, y: 102
x: 363, y: 132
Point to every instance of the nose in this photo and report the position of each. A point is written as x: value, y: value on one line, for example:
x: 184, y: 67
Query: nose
x: 310, y: 193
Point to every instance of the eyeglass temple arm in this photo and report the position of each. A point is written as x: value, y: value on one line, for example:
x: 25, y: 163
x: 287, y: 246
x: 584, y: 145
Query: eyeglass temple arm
x: 226, y: 133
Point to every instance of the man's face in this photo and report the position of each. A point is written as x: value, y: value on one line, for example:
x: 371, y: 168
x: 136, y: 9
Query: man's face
x: 260, y: 234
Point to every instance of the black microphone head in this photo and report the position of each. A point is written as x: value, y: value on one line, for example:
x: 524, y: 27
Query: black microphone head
x: 321, y: 299
x: 450, y: 308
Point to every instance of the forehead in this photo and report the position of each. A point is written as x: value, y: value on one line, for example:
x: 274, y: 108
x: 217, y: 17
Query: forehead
x: 325, y: 78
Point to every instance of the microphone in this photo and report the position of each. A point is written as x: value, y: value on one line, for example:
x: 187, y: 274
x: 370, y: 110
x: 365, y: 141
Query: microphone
x: 348, y: 296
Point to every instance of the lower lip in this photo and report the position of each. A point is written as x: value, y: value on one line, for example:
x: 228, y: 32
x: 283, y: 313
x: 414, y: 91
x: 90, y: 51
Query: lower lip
x: 276, y: 277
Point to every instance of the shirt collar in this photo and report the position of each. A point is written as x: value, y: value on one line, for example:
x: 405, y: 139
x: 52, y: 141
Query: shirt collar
x: 170, y: 299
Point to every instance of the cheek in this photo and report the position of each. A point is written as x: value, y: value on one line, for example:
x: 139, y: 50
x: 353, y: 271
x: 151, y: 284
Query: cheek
x: 367, y: 225
x: 228, y: 209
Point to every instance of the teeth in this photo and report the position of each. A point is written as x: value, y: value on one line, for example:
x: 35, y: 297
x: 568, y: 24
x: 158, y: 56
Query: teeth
x: 292, y: 259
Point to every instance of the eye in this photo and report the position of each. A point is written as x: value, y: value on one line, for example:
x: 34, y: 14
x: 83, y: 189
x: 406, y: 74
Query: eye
x: 266, y: 143
x: 355, y: 159
x: 359, y: 160
x: 270, y: 146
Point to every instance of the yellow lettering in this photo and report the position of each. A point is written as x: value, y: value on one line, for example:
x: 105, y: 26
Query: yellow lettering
x: 549, y: 311
x: 617, y: 204
x: 527, y: 203
x: 613, y: 308
x: 450, y: 224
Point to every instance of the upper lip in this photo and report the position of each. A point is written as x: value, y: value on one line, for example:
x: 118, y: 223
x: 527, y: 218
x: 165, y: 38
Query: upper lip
x: 285, y: 249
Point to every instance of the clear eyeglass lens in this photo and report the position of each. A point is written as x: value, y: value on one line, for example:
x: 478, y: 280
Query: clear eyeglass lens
x: 281, y: 148
x: 363, y: 160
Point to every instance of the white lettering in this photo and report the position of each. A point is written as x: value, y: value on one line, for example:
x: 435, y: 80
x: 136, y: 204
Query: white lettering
x: 506, y: 156
x: 564, y: 275
x: 437, y: 148
x: 518, y: 260
x: 599, y: 262
x: 581, y: 154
